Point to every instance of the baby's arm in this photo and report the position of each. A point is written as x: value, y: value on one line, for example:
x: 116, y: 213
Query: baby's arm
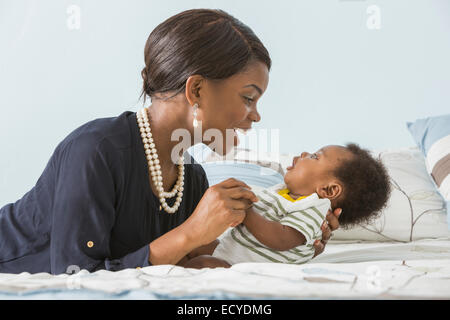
x: 207, y: 249
x: 272, y: 233
x: 206, y: 261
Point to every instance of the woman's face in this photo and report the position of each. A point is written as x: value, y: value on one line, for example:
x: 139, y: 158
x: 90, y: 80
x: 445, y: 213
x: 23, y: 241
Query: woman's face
x: 230, y: 104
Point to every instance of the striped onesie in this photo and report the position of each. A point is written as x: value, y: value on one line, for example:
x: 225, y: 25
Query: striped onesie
x: 306, y: 215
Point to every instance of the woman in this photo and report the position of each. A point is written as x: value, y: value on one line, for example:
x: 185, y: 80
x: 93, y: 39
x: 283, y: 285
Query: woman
x: 111, y: 197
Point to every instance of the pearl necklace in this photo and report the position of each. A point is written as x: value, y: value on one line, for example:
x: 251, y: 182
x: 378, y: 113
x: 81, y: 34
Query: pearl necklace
x: 155, y: 168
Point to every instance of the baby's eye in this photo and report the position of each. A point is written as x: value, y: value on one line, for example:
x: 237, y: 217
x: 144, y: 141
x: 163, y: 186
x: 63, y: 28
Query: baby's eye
x: 314, y: 155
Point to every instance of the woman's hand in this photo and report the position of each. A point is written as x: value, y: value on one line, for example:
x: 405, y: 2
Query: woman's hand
x: 222, y: 206
x: 330, y: 224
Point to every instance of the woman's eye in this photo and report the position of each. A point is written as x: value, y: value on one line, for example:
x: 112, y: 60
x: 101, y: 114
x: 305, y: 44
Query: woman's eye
x: 249, y: 100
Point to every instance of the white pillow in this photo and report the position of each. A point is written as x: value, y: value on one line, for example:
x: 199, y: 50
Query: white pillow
x: 415, y: 209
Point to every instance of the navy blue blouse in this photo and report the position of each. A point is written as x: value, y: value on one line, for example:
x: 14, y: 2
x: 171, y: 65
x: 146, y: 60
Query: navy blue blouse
x: 92, y: 208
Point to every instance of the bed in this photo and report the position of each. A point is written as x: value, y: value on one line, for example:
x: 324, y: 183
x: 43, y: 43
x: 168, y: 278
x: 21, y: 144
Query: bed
x: 414, y: 270
x: 403, y: 254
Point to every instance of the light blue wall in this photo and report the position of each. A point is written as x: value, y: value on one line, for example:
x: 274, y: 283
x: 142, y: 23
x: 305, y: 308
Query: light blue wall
x: 333, y: 80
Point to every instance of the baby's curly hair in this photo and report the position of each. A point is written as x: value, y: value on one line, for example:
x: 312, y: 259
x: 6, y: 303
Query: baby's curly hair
x: 366, y: 187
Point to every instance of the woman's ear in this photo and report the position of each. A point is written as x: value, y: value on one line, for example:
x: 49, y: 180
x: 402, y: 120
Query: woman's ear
x: 193, y: 87
x: 331, y: 190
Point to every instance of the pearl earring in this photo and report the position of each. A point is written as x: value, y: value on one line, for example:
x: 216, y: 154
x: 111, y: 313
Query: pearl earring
x: 195, y: 122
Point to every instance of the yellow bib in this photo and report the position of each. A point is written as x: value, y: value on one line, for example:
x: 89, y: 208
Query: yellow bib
x: 285, y: 194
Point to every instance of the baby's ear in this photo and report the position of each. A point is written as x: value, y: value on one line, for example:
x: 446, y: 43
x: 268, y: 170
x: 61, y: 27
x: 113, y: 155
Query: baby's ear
x: 331, y: 190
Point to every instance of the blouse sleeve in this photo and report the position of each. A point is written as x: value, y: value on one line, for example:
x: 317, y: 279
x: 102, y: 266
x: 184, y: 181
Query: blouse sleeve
x: 141, y: 257
x: 83, y: 211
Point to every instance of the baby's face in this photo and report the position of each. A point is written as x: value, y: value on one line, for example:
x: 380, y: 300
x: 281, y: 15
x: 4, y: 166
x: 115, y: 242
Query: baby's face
x: 311, y: 171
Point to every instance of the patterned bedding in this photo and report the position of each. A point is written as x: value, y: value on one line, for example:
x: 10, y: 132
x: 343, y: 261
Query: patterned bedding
x: 392, y: 270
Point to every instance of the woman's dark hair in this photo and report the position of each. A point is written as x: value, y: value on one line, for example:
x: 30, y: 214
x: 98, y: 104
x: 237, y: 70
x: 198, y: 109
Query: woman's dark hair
x: 366, y: 185
x: 210, y: 43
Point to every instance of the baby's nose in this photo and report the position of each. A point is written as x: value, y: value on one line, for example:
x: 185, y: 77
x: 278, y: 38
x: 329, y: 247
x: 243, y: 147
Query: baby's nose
x: 304, y: 154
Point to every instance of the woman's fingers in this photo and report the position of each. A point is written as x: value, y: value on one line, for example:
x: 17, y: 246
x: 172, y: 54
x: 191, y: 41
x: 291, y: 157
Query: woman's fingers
x: 239, y: 216
x: 237, y: 189
x: 217, y: 211
x: 330, y: 224
x: 318, y: 247
x: 242, y: 204
x: 231, y: 183
x: 242, y: 193
x: 326, y: 232
x: 333, y: 218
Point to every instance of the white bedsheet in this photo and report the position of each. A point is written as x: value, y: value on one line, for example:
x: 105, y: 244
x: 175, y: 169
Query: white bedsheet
x: 351, y: 251
x: 419, y: 269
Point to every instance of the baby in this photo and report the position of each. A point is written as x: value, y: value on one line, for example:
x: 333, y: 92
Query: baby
x: 283, y: 225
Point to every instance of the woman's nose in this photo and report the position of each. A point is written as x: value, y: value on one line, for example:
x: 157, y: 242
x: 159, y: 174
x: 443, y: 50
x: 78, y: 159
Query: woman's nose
x: 254, y: 115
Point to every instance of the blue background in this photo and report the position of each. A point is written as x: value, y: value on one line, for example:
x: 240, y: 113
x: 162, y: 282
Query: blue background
x: 334, y: 80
